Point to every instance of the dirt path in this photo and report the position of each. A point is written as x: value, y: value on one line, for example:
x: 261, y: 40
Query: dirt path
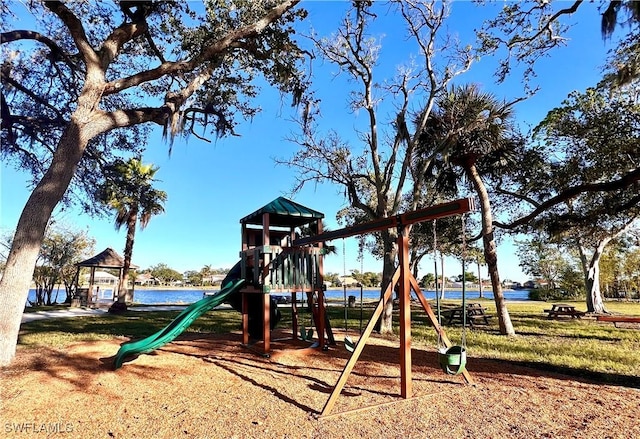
x: 207, y: 386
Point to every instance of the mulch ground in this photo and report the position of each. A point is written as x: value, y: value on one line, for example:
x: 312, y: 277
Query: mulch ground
x: 208, y: 386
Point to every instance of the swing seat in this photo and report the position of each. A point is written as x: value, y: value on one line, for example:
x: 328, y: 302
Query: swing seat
x: 452, y: 360
x: 306, y: 334
x: 349, y: 344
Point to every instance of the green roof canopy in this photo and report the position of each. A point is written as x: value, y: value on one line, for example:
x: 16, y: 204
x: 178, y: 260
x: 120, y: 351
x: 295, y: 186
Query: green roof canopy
x: 283, y: 213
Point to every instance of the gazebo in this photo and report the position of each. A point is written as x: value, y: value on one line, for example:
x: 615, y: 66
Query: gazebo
x: 108, y: 258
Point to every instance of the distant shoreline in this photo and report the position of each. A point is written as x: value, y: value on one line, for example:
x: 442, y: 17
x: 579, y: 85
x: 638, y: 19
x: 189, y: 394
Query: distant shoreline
x: 217, y: 287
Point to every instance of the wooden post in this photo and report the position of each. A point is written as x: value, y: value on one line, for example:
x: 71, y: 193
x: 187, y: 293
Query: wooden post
x: 266, y: 302
x: 265, y: 229
x: 320, y: 324
x: 90, y: 302
x: 266, y: 329
x: 244, y: 237
x: 405, y: 313
x: 294, y: 314
x: 245, y: 319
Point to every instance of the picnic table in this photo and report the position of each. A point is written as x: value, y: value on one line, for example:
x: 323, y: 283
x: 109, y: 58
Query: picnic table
x: 562, y: 309
x: 475, y: 314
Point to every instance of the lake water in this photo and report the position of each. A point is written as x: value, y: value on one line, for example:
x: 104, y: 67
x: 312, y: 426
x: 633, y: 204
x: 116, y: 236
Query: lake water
x: 149, y: 297
x: 182, y: 296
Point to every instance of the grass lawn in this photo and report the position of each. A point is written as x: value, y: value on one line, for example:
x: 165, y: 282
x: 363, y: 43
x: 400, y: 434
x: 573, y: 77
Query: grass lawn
x: 581, y: 347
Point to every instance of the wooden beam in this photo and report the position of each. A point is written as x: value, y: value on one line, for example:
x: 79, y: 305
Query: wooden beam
x: 415, y: 216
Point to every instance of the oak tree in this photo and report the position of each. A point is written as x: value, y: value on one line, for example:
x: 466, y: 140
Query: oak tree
x: 79, y: 78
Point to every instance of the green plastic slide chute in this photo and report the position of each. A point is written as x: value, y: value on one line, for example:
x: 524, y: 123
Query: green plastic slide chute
x: 178, y: 325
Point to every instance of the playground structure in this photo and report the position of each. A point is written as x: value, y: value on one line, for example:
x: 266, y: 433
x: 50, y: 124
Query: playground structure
x: 274, y: 259
x: 270, y: 263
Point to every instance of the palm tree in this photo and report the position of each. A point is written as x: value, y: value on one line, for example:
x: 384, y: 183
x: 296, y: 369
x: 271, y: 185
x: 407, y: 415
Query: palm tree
x: 128, y: 190
x: 206, y: 274
x: 469, y: 134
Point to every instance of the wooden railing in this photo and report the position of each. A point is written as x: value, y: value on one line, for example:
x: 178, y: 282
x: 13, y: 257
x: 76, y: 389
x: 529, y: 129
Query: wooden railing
x: 284, y: 268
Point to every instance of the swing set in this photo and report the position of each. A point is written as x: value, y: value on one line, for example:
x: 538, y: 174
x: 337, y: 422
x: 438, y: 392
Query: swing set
x: 451, y: 358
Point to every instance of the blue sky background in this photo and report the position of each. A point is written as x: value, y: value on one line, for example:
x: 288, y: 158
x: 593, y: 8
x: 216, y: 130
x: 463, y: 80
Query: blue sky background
x: 211, y: 186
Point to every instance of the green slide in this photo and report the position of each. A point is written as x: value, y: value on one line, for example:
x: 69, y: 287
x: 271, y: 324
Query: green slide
x: 177, y: 326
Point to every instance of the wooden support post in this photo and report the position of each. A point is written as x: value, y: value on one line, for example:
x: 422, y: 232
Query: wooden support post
x: 320, y: 324
x: 266, y: 329
x: 359, y: 347
x: 317, y: 266
x: 405, y: 313
x: 294, y: 314
x: 245, y: 319
x: 244, y: 238
x: 265, y: 229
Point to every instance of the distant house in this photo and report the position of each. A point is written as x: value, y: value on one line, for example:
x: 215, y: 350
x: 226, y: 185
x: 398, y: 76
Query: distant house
x: 348, y: 281
x: 529, y: 284
x: 102, y: 278
x: 105, y: 286
x: 512, y: 285
x: 146, y: 279
x: 213, y: 279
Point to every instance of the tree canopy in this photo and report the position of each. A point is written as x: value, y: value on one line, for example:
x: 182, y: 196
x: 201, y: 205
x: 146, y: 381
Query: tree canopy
x: 86, y: 80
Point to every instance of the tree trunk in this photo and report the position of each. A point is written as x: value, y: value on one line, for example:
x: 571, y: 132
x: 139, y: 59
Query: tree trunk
x: 595, y: 303
x: 480, y: 292
x: 29, y: 235
x: 490, y: 251
x: 123, y: 293
x: 385, y: 325
x: 123, y: 300
x: 591, y: 270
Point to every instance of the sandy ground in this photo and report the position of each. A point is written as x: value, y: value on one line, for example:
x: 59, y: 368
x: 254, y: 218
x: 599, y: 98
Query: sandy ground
x: 207, y: 386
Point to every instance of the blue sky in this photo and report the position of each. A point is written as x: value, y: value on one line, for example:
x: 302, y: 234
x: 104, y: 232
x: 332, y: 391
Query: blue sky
x: 211, y: 186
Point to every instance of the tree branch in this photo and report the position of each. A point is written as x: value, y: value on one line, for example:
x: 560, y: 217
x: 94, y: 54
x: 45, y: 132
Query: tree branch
x: 76, y: 30
x: 625, y: 181
x: 56, y: 52
x: 209, y: 54
x: 35, y: 97
x: 547, y: 26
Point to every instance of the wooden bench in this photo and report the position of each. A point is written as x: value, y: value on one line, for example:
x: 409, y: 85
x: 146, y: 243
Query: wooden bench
x: 561, y: 309
x: 619, y: 319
